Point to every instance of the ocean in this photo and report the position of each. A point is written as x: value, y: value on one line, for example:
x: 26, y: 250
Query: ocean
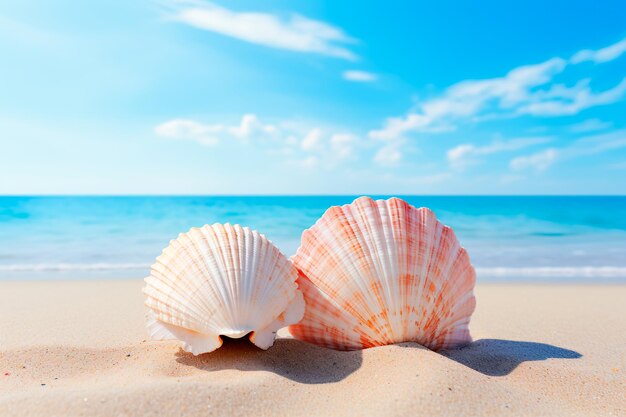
x: 508, y: 238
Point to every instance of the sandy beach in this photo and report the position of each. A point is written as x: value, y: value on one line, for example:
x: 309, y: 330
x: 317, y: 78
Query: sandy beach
x: 71, y: 348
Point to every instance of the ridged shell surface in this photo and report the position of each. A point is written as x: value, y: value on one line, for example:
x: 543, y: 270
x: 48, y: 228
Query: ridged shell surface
x: 221, y: 280
x: 380, y: 272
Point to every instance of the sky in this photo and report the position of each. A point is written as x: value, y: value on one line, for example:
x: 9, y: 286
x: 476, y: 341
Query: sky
x: 312, y: 97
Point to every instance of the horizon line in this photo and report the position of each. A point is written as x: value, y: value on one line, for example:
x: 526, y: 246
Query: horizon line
x: 310, y: 195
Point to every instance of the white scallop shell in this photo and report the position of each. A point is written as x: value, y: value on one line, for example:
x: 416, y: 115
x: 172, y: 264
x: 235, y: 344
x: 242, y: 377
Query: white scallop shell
x: 221, y: 280
x: 381, y: 272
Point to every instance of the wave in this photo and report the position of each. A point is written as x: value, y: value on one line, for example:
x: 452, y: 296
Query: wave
x: 553, y: 272
x: 72, y: 267
x: 481, y: 272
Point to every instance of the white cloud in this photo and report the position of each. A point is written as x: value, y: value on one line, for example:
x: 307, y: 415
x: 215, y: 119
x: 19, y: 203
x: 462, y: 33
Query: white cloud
x: 191, y: 130
x: 590, y: 125
x: 300, y: 145
x: 388, y: 155
x: 561, y: 100
x: 359, y: 76
x: 525, y: 90
x: 249, y: 125
x: 595, y: 144
x: 601, y: 55
x: 332, y: 148
x: 296, y: 33
x: 457, y: 156
x: 583, y: 147
x: 312, y: 141
x: 468, y: 98
x: 342, y: 144
x: 211, y: 134
x: 467, y: 154
x: 539, y: 161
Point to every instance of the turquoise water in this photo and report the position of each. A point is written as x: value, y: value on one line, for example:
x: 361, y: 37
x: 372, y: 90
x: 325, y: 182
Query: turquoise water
x: 508, y: 238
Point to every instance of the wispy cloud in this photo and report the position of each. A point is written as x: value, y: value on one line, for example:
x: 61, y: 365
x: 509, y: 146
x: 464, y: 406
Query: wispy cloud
x: 466, y: 99
x: 583, y: 147
x: 249, y: 125
x: 329, y: 147
x: 461, y: 156
x: 294, y: 33
x: 595, y: 144
x: 359, y: 76
x: 539, y: 161
x: 189, y: 130
x: 590, y: 125
x: 312, y: 141
x: 306, y: 146
x: 609, y: 53
x: 343, y: 144
x: 388, y: 155
x: 561, y: 100
x: 212, y: 134
x: 525, y: 90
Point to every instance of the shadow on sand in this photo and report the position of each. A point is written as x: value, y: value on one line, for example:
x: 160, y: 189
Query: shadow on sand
x: 292, y: 359
x: 310, y: 364
x: 496, y: 357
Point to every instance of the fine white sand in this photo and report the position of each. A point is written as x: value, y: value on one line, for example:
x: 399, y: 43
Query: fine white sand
x: 542, y: 350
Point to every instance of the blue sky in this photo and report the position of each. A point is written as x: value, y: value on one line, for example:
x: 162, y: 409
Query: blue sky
x: 304, y: 97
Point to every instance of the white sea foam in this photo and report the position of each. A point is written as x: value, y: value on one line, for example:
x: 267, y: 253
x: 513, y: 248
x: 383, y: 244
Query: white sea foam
x: 72, y: 267
x: 553, y: 271
x: 481, y: 272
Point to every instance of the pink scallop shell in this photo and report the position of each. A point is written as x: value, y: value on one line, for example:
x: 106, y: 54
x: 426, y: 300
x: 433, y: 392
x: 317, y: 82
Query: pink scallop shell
x: 375, y: 273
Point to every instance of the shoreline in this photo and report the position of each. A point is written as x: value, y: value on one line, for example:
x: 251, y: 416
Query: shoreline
x: 600, y: 275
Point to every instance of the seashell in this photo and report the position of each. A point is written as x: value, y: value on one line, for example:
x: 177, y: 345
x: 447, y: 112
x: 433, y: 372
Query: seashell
x: 221, y: 280
x: 380, y: 272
